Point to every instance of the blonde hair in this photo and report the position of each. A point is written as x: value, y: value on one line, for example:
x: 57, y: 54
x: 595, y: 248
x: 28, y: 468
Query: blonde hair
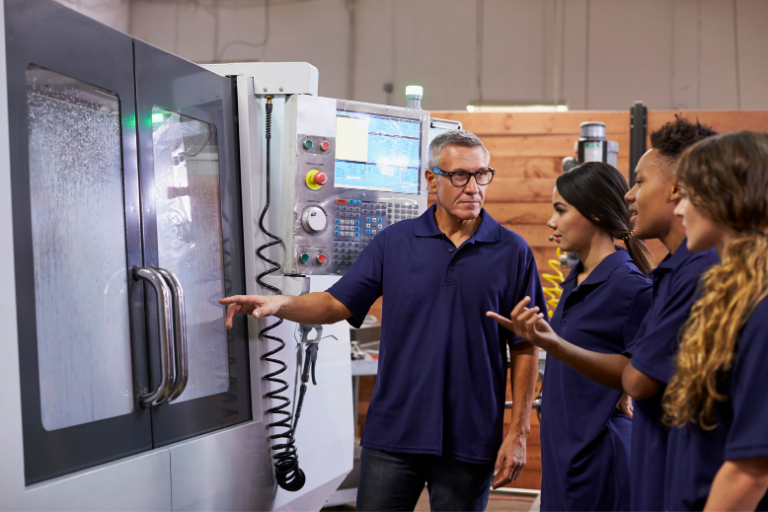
x: 725, y: 176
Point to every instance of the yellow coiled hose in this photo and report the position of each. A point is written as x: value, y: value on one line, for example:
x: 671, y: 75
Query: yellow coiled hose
x: 553, y: 292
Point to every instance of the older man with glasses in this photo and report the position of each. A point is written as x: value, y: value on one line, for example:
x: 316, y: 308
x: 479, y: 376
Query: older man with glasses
x: 436, y: 415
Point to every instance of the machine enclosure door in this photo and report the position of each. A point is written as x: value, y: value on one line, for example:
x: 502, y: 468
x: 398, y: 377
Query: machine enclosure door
x: 77, y: 232
x: 192, y: 227
x: 90, y: 170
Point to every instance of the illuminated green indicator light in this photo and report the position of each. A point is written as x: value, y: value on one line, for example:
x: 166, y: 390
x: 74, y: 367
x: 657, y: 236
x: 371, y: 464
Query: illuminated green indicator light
x: 307, y: 144
x: 157, y: 117
x: 304, y: 258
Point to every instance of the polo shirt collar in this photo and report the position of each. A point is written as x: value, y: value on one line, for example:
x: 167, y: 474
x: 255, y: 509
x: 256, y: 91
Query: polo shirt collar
x: 672, y: 261
x: 602, y: 272
x: 488, y: 231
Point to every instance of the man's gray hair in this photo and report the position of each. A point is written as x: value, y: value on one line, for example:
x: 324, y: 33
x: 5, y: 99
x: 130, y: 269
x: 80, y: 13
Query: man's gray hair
x: 460, y: 138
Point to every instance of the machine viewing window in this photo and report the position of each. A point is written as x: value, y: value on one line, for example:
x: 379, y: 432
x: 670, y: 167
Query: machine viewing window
x: 376, y: 152
x: 79, y: 247
x: 189, y: 239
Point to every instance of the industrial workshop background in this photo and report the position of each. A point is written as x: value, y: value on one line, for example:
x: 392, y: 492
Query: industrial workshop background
x: 478, y: 60
x: 586, y: 54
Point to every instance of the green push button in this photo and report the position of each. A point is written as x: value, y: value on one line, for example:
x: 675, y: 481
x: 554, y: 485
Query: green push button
x: 308, y: 144
x: 304, y: 258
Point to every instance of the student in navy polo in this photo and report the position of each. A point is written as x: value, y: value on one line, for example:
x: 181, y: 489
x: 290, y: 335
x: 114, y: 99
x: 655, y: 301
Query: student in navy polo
x: 437, y: 409
x: 717, y: 400
x: 585, y: 439
x: 675, y: 287
x: 652, y: 201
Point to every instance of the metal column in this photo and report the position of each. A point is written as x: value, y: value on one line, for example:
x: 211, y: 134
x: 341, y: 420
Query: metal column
x: 638, y: 129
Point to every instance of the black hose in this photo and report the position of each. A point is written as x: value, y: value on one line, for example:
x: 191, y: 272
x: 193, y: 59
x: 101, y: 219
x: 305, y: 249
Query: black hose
x: 287, y: 472
x: 310, y: 358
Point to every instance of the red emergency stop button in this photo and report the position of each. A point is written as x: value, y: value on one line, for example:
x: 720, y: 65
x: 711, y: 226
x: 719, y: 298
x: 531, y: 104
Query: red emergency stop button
x: 320, y: 178
x: 325, y: 146
x: 321, y: 259
x: 316, y: 179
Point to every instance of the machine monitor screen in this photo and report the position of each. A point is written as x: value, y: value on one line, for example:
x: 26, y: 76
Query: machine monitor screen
x: 377, y: 152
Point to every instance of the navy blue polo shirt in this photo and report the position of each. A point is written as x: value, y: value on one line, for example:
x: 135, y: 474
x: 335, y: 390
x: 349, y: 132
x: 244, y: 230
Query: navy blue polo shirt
x: 441, y: 383
x: 675, y: 287
x: 584, y: 438
x: 695, y: 455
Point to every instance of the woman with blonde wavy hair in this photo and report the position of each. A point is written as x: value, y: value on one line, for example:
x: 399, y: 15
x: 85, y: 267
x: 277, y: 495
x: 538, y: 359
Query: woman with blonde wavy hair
x: 717, y: 400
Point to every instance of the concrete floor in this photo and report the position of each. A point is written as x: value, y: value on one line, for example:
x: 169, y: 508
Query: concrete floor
x: 496, y: 503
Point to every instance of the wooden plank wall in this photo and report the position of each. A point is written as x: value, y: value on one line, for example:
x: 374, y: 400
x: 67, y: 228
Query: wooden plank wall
x: 527, y: 150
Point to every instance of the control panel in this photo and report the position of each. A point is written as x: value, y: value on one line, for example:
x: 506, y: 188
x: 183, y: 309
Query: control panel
x: 352, y: 177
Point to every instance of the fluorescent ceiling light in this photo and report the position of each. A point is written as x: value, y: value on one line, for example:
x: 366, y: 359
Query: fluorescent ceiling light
x: 515, y: 106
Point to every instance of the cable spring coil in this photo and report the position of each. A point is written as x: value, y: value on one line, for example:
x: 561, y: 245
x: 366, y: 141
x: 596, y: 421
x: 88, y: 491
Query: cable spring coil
x: 287, y: 472
x: 553, y: 292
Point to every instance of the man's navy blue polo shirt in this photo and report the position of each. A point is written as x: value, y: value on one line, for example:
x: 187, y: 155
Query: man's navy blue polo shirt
x: 442, y: 373
x: 585, y: 440
x: 675, y: 285
x: 695, y: 455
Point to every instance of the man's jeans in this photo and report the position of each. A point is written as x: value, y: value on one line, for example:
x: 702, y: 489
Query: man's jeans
x: 394, y: 481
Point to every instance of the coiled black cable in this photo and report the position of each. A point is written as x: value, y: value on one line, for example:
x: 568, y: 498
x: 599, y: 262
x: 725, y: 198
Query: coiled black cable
x: 287, y: 472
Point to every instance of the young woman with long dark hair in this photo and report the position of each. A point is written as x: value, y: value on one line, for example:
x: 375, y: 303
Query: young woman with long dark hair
x: 585, y: 440
x: 717, y: 457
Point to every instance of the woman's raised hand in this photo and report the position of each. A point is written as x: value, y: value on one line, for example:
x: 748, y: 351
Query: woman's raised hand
x: 529, y: 324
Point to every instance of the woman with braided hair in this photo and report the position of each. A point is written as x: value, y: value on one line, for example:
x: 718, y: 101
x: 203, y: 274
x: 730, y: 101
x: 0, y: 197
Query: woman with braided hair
x: 717, y: 400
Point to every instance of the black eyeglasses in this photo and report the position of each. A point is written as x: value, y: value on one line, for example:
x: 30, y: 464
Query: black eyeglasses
x: 461, y: 178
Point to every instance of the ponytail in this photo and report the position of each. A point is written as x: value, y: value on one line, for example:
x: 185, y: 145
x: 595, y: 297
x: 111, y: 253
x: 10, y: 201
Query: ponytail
x: 597, y: 191
x: 640, y: 254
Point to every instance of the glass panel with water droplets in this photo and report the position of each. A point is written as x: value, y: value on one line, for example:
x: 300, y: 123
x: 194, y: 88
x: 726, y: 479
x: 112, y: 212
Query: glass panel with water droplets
x: 79, y: 248
x: 186, y: 165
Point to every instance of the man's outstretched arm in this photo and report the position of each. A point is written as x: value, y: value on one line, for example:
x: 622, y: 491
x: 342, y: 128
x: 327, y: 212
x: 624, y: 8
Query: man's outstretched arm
x: 310, y: 308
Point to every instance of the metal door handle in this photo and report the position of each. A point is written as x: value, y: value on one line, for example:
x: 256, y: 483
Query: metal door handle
x: 165, y: 324
x: 180, y: 333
